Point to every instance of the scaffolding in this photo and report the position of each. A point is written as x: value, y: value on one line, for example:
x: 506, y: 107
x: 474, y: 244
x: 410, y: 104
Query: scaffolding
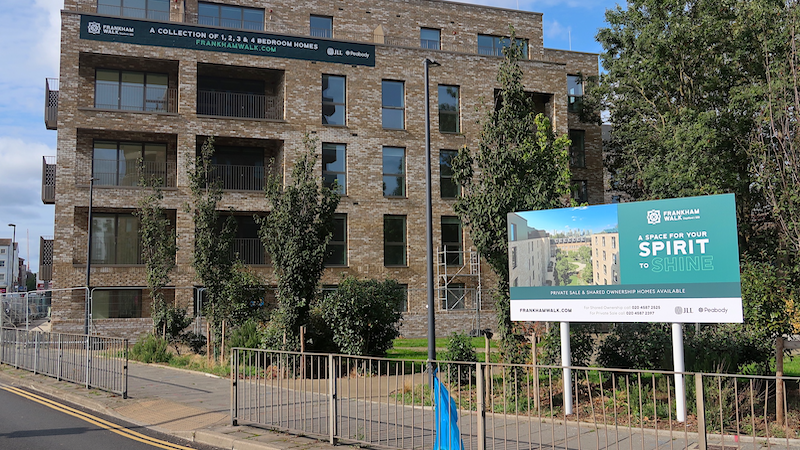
x: 458, y: 282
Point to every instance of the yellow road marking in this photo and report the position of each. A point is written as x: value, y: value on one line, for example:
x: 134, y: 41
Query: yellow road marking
x: 122, y: 431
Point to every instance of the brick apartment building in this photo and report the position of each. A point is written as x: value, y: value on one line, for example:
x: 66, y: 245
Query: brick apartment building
x: 150, y: 80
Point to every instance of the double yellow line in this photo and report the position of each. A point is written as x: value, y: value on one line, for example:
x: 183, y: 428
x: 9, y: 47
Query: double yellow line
x: 122, y: 431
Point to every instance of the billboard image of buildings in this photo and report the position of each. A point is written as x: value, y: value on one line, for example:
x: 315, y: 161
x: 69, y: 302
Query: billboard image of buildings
x: 673, y: 260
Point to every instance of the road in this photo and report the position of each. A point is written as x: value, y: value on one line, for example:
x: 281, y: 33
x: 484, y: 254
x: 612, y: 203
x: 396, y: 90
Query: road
x: 30, y: 421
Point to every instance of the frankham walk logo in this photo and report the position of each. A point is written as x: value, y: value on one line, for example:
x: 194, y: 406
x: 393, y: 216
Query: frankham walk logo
x: 654, y: 216
x: 118, y: 30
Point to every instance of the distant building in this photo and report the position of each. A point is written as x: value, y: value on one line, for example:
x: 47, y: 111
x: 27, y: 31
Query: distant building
x: 530, y: 253
x: 605, y: 258
x: 9, y: 267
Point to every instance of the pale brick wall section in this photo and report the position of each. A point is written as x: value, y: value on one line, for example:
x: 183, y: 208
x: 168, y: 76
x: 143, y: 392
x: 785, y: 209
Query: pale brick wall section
x: 79, y: 123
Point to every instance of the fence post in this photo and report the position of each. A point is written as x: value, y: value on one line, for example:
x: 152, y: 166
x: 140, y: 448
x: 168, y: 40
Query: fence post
x: 125, y: 371
x: 701, y: 412
x: 235, y: 387
x: 480, y: 387
x: 779, y: 405
x: 88, y: 361
x: 332, y: 399
x: 16, y: 349
x: 60, y: 357
x: 35, y: 353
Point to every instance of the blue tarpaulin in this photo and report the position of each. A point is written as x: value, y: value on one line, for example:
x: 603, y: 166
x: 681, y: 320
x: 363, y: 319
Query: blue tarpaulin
x: 447, y: 435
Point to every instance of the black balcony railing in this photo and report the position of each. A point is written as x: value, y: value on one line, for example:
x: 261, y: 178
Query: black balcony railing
x: 246, y: 106
x: 51, y: 103
x: 238, y: 178
x: 250, y: 251
x: 48, y: 180
x: 113, y: 172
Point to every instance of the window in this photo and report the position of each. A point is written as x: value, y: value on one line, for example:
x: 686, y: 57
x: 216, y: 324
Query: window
x: 448, y: 109
x: 394, y: 240
x: 333, y: 100
x: 118, y: 304
x: 230, y: 16
x: 131, y: 91
x: 2, y: 262
x: 614, y: 258
x: 403, y: 306
x: 336, y: 252
x: 2, y: 277
x: 334, y: 166
x: 115, y: 239
x: 580, y: 191
x: 451, y: 240
x: 393, y: 114
x: 238, y: 168
x: 604, y: 241
x: 447, y: 187
x: 494, y: 45
x: 2, y: 251
x: 321, y: 26
x: 577, y: 151
x: 613, y: 242
x: 575, y: 92
x: 429, y: 38
x: 124, y: 163
x: 513, y: 257
x: 394, y: 172
x: 141, y: 9
x: 604, y: 255
x: 455, y: 296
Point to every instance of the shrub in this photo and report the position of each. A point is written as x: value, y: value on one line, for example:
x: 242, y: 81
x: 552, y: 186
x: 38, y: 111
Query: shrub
x: 151, y: 349
x: 245, y: 336
x: 582, y: 344
x: 637, y: 346
x: 170, y: 321
x: 363, y: 315
x: 459, y: 348
x: 196, y: 342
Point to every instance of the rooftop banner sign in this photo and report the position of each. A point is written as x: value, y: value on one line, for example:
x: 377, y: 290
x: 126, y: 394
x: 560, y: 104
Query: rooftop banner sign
x: 673, y: 260
x: 179, y: 35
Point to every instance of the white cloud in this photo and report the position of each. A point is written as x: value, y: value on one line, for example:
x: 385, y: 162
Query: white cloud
x: 555, y: 31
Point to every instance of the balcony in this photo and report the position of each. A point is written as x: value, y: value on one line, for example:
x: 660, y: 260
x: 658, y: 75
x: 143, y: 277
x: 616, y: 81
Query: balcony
x: 112, y: 172
x: 250, y: 251
x: 46, y: 258
x: 51, y: 103
x: 49, y: 180
x: 239, y: 105
x: 238, y: 178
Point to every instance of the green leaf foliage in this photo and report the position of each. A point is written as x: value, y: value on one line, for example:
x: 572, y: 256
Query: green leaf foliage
x: 296, y: 234
x: 459, y: 348
x: 520, y: 165
x: 362, y: 315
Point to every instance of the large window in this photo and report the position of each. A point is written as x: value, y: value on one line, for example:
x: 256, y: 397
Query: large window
x: 141, y: 9
x: 394, y: 172
x: 575, y: 92
x: 333, y: 100
x: 455, y: 296
x: 238, y: 168
x: 394, y: 240
x: 334, y: 166
x: 131, y: 91
x: 447, y: 187
x: 118, y: 304
x: 336, y: 252
x: 230, y: 16
x: 115, y: 239
x: 494, y: 45
x: 429, y: 38
x: 321, y: 26
x: 393, y: 101
x: 448, y: 109
x: 451, y: 240
x: 577, y: 151
x: 125, y: 163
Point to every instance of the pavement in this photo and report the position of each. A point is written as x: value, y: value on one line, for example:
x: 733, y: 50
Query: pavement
x: 187, y: 404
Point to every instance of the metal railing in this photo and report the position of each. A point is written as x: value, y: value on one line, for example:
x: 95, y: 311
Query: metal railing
x: 389, y: 403
x: 91, y: 361
x: 153, y: 99
x: 250, y: 251
x: 114, y: 172
x: 240, y: 178
x: 48, y: 180
x: 46, y: 258
x: 51, y: 103
x: 246, y: 106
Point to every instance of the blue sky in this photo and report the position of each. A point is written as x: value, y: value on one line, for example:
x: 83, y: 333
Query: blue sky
x: 30, y: 37
x: 591, y: 218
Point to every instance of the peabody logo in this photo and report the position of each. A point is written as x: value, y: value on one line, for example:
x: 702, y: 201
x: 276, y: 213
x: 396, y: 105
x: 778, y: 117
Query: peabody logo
x: 653, y: 216
x: 93, y: 28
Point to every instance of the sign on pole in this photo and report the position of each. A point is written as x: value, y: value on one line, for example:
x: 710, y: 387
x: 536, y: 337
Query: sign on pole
x: 673, y: 260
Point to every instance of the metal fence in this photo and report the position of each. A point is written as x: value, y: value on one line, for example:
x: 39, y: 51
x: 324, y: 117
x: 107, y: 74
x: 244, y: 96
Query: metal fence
x: 389, y: 403
x: 91, y: 361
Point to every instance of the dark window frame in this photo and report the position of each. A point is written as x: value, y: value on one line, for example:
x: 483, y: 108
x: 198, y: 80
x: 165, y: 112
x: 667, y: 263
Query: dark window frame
x: 149, y: 12
x: 430, y: 44
x: 580, y: 191
x: 100, y: 181
x: 574, y: 98
x: 447, y: 113
x: 156, y: 103
x: 218, y: 19
x: 115, y: 253
x: 390, y: 108
x: 454, y: 248
x: 399, y: 176
x: 577, y: 148
x: 339, y: 243
x: 333, y: 103
x: 327, y: 147
x: 446, y: 182
x: 498, y: 43
x: 402, y: 244
x: 321, y: 32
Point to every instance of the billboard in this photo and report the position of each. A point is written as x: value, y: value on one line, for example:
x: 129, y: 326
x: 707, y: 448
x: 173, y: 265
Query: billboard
x: 673, y: 260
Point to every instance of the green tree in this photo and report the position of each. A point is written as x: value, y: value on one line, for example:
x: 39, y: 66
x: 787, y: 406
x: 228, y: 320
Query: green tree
x: 362, y: 316
x: 520, y: 165
x: 159, y: 246
x: 296, y: 234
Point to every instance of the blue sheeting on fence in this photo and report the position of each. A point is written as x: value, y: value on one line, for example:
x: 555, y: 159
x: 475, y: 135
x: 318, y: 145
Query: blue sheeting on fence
x: 447, y: 435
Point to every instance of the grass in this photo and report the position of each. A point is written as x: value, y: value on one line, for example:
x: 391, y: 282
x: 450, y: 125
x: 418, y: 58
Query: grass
x: 199, y: 363
x: 417, y: 349
x: 477, y: 342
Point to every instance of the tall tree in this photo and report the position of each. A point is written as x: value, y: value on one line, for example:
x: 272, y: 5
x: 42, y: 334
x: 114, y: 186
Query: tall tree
x: 159, y: 247
x: 296, y: 234
x: 520, y: 165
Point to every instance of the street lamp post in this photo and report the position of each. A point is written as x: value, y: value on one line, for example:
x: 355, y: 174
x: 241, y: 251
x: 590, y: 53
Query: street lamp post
x: 88, y: 262
x: 429, y: 223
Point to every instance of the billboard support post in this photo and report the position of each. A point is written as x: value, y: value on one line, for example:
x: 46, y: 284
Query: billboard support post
x: 566, y: 361
x: 680, y: 367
